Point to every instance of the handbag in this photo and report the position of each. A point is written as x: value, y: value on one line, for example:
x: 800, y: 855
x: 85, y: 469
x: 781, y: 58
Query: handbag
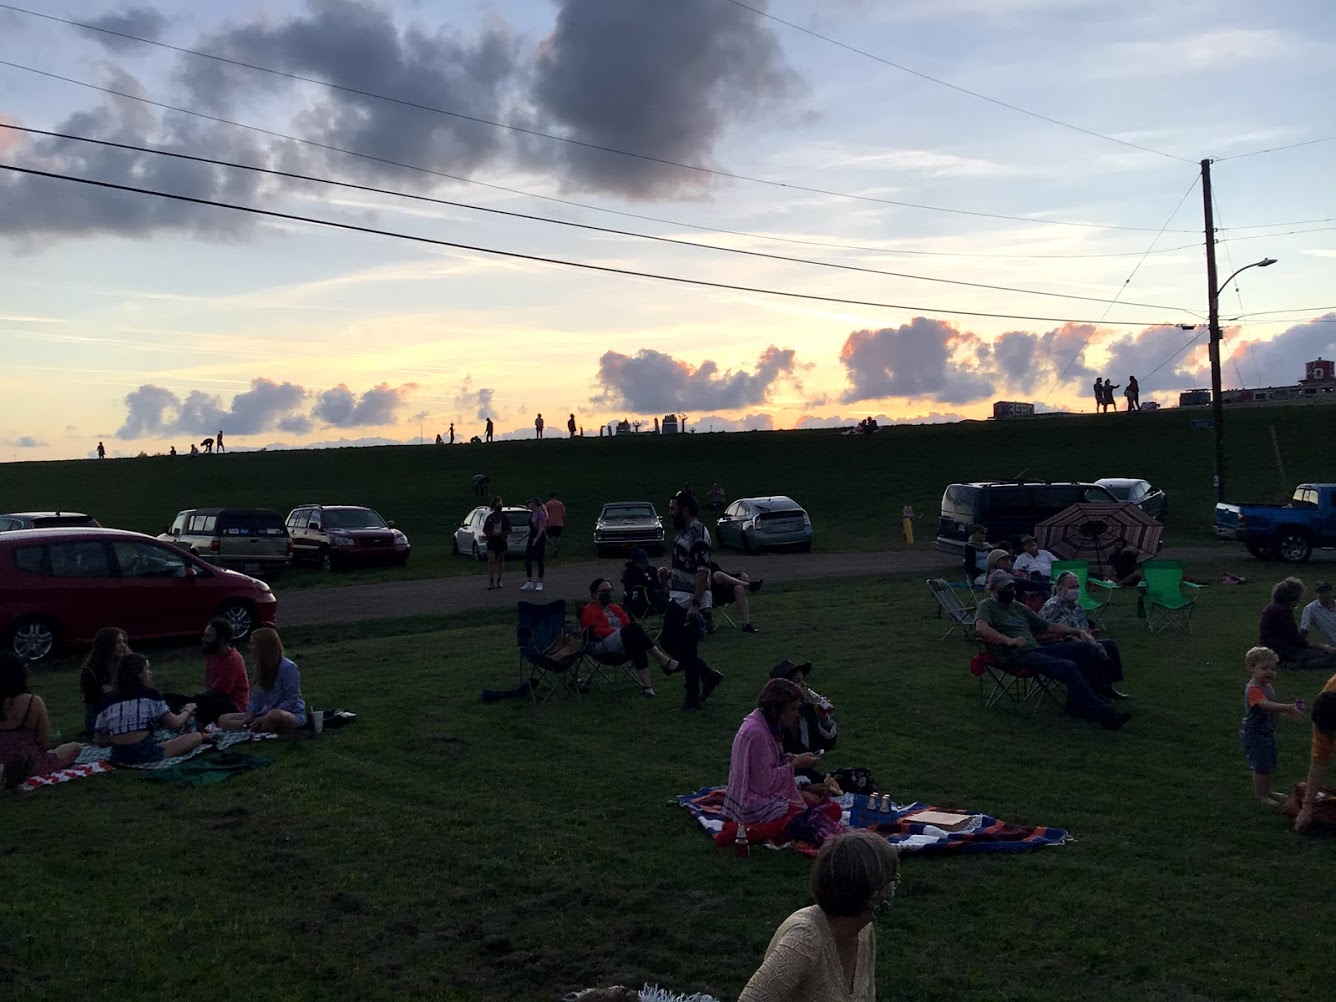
x: 565, y: 649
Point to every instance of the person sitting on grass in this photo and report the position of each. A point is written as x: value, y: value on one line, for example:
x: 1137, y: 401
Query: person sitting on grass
x: 1088, y: 669
x: 99, y: 668
x: 1278, y: 630
x: 1124, y: 565
x: 25, y: 731
x: 132, y: 713
x: 276, y: 705
x: 762, y: 792
x: 1322, y: 750
x: 1258, y: 731
x: 642, y: 587
x: 827, y: 952
x: 613, y: 635
x: 226, y: 687
x: 728, y: 589
x: 814, y: 730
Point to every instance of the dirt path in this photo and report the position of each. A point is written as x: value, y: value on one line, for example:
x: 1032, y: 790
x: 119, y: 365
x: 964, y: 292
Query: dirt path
x: 571, y: 581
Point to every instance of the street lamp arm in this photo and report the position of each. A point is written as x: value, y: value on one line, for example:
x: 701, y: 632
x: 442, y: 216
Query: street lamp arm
x: 1266, y: 262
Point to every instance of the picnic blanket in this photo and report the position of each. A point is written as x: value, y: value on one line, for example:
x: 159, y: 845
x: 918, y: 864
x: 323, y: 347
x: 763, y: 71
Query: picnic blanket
x: 650, y: 993
x: 223, y: 741
x: 209, y: 769
x: 64, y: 776
x: 94, y: 760
x: 981, y: 834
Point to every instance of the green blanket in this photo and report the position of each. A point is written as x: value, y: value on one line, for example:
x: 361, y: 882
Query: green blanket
x: 208, y: 769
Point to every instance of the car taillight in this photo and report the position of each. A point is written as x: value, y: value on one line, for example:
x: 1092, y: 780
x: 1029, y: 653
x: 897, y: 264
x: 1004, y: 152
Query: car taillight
x: 289, y: 547
x: 213, y: 546
x: 1243, y: 524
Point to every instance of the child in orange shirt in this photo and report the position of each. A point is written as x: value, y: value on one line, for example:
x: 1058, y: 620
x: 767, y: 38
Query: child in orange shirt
x: 1258, y: 731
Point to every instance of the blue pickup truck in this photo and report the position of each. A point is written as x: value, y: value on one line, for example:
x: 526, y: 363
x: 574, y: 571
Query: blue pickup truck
x: 1283, y: 531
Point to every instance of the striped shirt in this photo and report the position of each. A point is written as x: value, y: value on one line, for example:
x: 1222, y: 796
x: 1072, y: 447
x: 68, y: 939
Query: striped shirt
x: 139, y: 710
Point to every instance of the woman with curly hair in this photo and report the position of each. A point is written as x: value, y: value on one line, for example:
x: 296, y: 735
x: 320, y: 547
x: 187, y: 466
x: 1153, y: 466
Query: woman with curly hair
x: 99, y: 668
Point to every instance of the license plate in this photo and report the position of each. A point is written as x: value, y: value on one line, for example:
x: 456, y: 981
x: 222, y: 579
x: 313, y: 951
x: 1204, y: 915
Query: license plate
x: 250, y: 568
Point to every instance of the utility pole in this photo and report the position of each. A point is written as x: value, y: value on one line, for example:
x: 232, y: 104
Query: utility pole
x: 1213, y: 308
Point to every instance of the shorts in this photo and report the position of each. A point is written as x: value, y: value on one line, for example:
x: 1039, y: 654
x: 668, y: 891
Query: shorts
x: 1260, y: 751
x: 497, y: 546
x: 555, y: 531
x: 142, y: 753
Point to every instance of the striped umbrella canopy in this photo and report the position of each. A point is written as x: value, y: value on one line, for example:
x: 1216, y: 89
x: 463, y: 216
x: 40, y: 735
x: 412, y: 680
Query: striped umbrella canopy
x: 1088, y: 530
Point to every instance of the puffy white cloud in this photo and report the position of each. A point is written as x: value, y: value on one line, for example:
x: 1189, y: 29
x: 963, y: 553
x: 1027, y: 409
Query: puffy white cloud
x: 342, y: 408
x: 651, y: 382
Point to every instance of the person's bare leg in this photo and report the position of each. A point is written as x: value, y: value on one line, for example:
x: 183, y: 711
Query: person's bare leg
x: 1262, y: 787
x: 740, y: 597
x: 662, y: 657
x: 276, y: 722
x: 232, y: 722
x: 67, y: 753
x: 180, y: 745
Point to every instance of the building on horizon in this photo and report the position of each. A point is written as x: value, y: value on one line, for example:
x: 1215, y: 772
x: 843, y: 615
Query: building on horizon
x: 1318, y: 385
x: 1012, y: 409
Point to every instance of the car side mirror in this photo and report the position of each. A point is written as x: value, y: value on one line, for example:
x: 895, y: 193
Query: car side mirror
x: 389, y: 525
x: 192, y: 575
x: 176, y: 532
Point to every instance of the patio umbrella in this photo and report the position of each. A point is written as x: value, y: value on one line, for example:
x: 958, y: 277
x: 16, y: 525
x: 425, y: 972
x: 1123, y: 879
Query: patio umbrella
x: 1089, y: 530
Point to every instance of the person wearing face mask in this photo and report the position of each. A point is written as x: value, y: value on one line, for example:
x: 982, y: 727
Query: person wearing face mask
x: 226, y: 686
x: 1065, y: 608
x: 827, y: 952
x: 613, y: 635
x: 1008, y: 629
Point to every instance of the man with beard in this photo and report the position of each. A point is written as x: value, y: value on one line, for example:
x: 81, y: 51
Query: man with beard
x: 688, y: 593
x: 1008, y: 628
x: 226, y: 687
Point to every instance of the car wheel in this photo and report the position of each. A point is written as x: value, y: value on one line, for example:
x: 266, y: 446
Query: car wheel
x: 32, y: 639
x: 600, y: 551
x: 1295, y: 547
x: 1262, y: 552
x: 326, y: 561
x: 746, y: 544
x: 804, y: 547
x: 477, y: 555
x: 240, y: 616
x: 657, y: 550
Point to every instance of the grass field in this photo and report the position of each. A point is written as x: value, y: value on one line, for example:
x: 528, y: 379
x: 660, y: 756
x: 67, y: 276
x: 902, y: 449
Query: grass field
x: 854, y: 487
x: 442, y: 848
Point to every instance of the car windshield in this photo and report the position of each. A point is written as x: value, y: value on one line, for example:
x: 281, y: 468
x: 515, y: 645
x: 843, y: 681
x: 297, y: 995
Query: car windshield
x: 1121, y: 491
x: 352, y: 518
x: 629, y: 511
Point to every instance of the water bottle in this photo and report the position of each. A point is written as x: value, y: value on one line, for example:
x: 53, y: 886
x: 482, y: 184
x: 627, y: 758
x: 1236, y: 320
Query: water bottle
x: 740, y: 844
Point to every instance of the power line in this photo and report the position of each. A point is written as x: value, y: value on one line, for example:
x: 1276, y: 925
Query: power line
x: 1215, y: 214
x: 540, y: 259
x: 565, y: 222
x: 552, y: 198
x: 1301, y: 310
x: 419, y: 106
x: 956, y: 87
x: 1122, y: 288
x: 1292, y: 222
x: 1268, y: 236
x: 1180, y: 351
x: 1277, y: 149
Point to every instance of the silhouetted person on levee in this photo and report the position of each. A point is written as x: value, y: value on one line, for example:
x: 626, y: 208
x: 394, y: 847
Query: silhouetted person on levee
x: 570, y: 425
x: 101, y: 451
x: 452, y: 433
x: 1133, y: 394
x: 218, y: 442
x: 480, y: 482
x: 1099, y: 393
x: 439, y: 440
x: 487, y: 435
x: 194, y: 449
x: 172, y: 452
x: 207, y: 445
x: 538, y: 425
x: 1109, y: 387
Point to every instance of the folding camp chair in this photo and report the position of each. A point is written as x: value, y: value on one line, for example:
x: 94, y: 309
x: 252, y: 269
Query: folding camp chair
x: 535, y: 630
x: 1162, y: 601
x: 1094, y: 606
x: 1020, y: 686
x: 957, y: 613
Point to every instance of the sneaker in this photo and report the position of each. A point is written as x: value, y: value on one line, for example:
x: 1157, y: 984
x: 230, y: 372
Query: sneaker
x: 711, y: 683
x: 527, y: 586
x: 648, y: 690
x: 538, y: 586
x: 749, y: 628
x: 672, y: 667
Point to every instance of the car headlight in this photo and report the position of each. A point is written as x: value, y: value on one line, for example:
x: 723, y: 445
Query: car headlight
x: 399, y: 537
x: 342, y: 540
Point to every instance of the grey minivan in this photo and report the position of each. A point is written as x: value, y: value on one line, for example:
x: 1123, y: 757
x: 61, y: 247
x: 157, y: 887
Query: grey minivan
x: 254, y: 541
x: 1008, y: 509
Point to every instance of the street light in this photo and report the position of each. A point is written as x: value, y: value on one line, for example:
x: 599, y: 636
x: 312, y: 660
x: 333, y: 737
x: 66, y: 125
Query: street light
x: 1217, y: 399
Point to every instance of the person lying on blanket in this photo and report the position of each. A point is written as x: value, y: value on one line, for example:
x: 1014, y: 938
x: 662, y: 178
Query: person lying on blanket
x: 613, y: 635
x: 815, y: 727
x: 762, y: 792
x: 133, y: 711
x: 25, y: 736
x: 276, y: 705
x: 827, y: 952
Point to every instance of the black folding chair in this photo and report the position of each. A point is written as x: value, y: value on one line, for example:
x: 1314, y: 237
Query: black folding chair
x: 537, y: 628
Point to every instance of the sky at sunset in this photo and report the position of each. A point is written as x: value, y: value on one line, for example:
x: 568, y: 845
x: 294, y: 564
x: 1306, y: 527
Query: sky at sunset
x: 145, y: 323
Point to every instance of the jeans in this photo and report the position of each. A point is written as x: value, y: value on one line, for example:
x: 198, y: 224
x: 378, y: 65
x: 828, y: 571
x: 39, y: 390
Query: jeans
x: 534, y: 553
x: 681, y: 639
x: 1079, y: 667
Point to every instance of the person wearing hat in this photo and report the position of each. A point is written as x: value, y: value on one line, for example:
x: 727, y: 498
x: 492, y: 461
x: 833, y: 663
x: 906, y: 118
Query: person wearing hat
x: 815, y: 729
x: 643, y: 590
x: 1008, y: 628
x: 536, y: 548
x: 1320, y: 615
x: 1033, y: 562
x: 1000, y: 559
x: 1277, y: 629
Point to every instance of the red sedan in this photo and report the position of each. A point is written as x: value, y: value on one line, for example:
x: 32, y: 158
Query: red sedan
x: 60, y: 586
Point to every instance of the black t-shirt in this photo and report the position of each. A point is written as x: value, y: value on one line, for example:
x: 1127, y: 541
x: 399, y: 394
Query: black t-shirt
x: 1124, y: 563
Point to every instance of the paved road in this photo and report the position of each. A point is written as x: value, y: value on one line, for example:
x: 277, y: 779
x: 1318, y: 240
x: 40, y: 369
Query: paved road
x: 458, y: 594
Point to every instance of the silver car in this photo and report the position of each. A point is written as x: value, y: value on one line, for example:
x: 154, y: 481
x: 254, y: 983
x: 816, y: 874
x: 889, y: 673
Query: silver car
x: 624, y: 525
x: 752, y: 524
x: 469, y: 539
x: 1141, y: 493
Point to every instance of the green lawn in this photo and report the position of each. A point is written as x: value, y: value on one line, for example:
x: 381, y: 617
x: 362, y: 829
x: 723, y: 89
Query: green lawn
x: 854, y: 487
x: 441, y: 848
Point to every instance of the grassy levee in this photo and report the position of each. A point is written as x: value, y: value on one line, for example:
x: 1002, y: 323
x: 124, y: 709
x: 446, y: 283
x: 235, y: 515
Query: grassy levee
x: 441, y: 848
x: 853, y: 486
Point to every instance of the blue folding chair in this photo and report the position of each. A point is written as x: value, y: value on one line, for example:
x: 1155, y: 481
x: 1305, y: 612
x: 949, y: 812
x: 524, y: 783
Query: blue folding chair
x: 537, y: 629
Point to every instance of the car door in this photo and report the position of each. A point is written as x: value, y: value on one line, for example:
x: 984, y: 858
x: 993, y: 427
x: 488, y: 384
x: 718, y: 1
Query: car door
x: 78, y: 588
x: 157, y: 591
x: 724, y: 527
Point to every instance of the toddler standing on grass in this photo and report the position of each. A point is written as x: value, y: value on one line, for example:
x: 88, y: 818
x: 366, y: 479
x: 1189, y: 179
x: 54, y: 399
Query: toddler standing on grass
x: 1258, y: 733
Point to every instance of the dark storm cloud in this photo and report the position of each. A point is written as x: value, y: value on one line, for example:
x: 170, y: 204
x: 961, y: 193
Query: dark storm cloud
x: 145, y: 22
x: 652, y: 382
x: 343, y: 408
x: 660, y: 79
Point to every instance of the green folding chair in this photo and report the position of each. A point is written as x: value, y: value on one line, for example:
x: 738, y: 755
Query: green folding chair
x: 1093, y: 605
x: 1162, y: 600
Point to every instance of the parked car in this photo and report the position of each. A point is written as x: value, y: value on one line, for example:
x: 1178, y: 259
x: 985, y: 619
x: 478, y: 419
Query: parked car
x: 46, y: 520
x: 251, y: 540
x: 624, y: 525
x: 772, y: 523
x: 1288, y: 531
x: 335, y: 536
x: 60, y: 586
x: 1141, y: 493
x: 469, y: 538
x: 1008, y: 509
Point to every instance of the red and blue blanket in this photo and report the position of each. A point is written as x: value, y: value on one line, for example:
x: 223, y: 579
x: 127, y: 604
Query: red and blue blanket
x: 981, y: 833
